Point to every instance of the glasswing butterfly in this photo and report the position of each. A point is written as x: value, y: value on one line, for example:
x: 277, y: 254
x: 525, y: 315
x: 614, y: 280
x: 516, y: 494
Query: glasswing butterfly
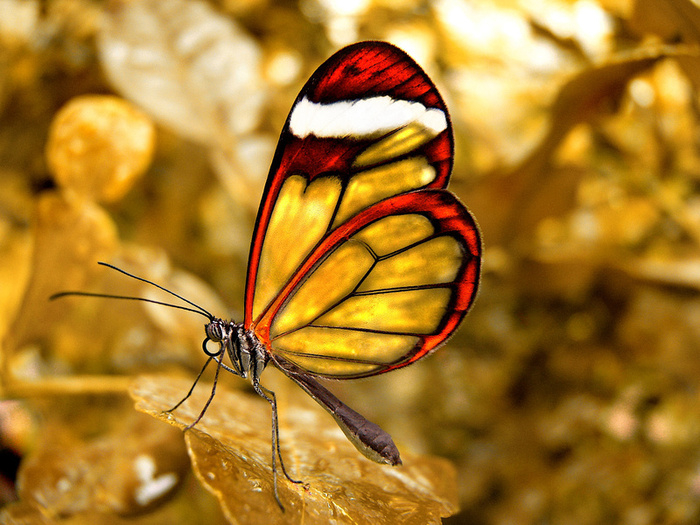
x: 361, y: 261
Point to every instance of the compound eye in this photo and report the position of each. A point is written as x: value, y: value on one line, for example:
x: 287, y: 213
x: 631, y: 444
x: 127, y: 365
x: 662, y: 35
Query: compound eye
x: 214, y: 332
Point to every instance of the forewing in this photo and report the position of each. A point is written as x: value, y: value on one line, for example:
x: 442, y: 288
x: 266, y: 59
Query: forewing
x: 380, y: 291
x: 368, y: 125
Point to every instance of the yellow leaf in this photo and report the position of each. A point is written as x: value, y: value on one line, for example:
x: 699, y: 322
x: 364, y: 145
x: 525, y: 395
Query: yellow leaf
x: 231, y: 453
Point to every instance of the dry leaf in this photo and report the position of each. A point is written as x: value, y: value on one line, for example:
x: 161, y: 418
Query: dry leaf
x: 187, y: 66
x: 671, y: 20
x: 99, y: 146
x: 230, y: 451
x: 593, y: 93
x: 194, y: 71
x: 23, y: 513
x: 191, y: 504
x: 97, y: 461
x: 680, y: 272
x: 126, y: 471
x: 69, y: 236
x: 668, y: 18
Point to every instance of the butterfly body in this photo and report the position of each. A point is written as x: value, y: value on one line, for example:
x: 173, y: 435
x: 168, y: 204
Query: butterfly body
x: 248, y: 356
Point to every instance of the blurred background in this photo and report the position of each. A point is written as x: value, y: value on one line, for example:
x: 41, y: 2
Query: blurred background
x: 140, y: 133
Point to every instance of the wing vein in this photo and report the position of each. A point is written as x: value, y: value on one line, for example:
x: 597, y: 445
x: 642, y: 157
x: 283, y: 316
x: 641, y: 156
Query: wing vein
x: 336, y: 358
x: 396, y: 289
x: 352, y: 328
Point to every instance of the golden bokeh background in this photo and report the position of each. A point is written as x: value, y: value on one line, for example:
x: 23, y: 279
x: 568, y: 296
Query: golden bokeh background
x: 139, y: 132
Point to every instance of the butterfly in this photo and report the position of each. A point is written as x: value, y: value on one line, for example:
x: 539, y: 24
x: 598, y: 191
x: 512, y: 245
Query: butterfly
x: 361, y: 261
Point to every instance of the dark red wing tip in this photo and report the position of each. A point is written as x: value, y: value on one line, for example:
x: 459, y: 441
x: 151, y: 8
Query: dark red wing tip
x: 371, y: 68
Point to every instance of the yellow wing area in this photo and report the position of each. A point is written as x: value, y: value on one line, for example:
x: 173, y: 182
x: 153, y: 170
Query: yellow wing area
x: 344, y: 351
x: 304, y: 211
x: 402, y: 141
x: 434, y: 261
x: 373, y: 185
x: 367, y: 304
x: 333, y: 280
x: 300, y: 219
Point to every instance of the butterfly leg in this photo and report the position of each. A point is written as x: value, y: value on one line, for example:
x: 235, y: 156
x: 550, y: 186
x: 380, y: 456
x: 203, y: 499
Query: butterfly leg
x: 191, y: 389
x: 269, y: 396
x: 216, y: 356
x: 219, y: 364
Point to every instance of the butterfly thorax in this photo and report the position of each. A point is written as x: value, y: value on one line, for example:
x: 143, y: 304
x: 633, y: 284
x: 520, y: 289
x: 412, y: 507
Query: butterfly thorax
x: 247, y: 354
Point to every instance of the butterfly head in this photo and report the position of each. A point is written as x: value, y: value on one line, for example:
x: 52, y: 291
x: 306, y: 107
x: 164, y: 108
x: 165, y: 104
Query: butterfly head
x: 245, y: 351
x: 225, y: 333
x: 217, y: 330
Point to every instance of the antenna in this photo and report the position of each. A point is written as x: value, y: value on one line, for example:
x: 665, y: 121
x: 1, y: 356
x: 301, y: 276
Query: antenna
x: 197, y: 309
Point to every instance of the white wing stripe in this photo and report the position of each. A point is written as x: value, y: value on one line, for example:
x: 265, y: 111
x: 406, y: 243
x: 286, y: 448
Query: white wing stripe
x: 362, y: 117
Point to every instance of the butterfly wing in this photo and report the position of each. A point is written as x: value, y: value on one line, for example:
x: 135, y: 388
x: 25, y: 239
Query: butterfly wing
x: 361, y: 263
